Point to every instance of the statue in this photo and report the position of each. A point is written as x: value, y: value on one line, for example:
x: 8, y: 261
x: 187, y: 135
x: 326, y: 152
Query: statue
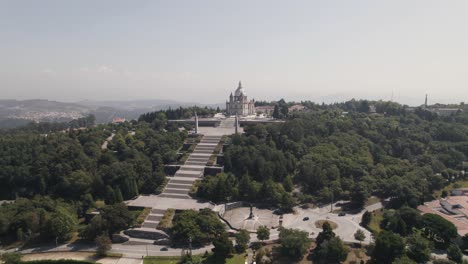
x: 251, y: 216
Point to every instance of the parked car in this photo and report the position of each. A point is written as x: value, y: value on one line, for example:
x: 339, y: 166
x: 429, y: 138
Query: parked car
x: 305, y: 218
x: 341, y: 214
x: 164, y: 249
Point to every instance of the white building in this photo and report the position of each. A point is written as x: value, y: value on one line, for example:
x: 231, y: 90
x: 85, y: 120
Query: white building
x: 238, y: 103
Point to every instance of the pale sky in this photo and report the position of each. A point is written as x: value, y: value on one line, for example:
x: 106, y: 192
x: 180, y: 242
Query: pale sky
x: 198, y: 50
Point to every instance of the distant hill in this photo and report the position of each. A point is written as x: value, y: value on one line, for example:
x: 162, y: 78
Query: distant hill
x: 15, y: 113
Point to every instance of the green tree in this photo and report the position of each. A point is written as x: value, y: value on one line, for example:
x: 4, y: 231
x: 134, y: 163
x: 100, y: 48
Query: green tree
x: 104, y: 244
x: 93, y: 229
x: 202, y: 227
x: 388, y: 247
x: 454, y: 253
x: 62, y: 224
x: 276, y: 112
x: 359, y: 195
x: 222, y: 247
x: 331, y: 251
x: 404, y: 260
x: 242, y: 240
x: 464, y: 239
x: 116, y: 217
x: 294, y: 243
x: 359, y: 236
x: 366, y: 219
x: 326, y: 234
x: 438, y: 229
x: 288, y: 184
x: 11, y: 258
x: 263, y: 233
x: 418, y: 248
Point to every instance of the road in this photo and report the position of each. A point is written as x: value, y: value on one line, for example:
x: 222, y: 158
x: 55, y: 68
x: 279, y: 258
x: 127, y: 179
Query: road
x: 137, y: 251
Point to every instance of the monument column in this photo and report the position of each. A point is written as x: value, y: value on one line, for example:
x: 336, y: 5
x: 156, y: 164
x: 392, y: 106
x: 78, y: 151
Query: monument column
x: 196, y: 123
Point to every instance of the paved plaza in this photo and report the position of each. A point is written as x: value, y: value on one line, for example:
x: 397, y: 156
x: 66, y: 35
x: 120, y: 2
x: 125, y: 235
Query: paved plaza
x: 239, y: 218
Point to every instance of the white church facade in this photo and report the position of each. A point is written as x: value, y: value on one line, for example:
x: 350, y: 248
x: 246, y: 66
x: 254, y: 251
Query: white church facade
x: 238, y: 103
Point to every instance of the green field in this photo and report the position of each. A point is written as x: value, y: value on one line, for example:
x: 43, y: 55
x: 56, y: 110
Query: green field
x: 235, y: 259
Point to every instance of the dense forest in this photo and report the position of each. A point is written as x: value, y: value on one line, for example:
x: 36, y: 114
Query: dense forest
x: 64, y: 172
x: 341, y: 151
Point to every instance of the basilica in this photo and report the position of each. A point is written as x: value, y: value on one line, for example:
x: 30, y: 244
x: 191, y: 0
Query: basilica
x: 238, y: 103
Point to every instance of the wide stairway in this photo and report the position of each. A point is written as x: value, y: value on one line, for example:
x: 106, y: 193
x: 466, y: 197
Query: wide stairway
x: 180, y: 184
x: 152, y: 220
x: 147, y: 233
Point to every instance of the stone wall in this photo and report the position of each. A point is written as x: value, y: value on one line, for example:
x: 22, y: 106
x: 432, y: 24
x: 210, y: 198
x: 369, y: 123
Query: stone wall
x: 146, y: 234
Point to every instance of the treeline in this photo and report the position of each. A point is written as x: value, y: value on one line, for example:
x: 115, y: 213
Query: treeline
x: 179, y: 113
x: 48, y: 127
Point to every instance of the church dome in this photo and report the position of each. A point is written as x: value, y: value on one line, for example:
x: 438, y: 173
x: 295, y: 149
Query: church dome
x: 240, y: 90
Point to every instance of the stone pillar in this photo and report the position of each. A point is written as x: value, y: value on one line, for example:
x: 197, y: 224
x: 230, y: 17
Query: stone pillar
x: 196, y: 123
x: 236, y: 124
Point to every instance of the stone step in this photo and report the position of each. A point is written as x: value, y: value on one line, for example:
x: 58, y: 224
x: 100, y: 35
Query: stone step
x: 185, y: 188
x: 211, y: 142
x: 155, y: 218
x: 199, y: 155
x: 185, y: 167
x: 180, y: 181
x: 175, y: 191
x: 203, y: 148
x: 175, y: 196
x: 186, y: 179
x: 196, y: 163
x: 212, y: 137
x: 203, y: 151
x: 207, y: 145
x: 150, y: 224
x: 192, y: 168
x: 178, y: 186
x: 191, y: 177
x: 198, y: 158
x: 185, y: 173
x: 158, y: 211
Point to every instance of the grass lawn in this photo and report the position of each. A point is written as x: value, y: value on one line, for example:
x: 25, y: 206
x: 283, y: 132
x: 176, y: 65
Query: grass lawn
x: 236, y: 259
x: 377, y: 217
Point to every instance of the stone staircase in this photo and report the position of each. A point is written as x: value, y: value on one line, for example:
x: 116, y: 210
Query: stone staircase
x: 147, y: 233
x: 180, y: 184
x: 152, y: 220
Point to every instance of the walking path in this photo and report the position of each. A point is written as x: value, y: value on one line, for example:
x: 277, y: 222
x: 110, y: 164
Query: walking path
x: 106, y: 142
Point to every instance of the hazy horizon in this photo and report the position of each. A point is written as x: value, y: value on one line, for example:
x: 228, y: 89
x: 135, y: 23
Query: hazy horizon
x: 197, y: 51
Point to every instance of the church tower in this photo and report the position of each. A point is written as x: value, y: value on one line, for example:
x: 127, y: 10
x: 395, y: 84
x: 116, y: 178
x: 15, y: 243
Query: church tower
x: 238, y: 103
